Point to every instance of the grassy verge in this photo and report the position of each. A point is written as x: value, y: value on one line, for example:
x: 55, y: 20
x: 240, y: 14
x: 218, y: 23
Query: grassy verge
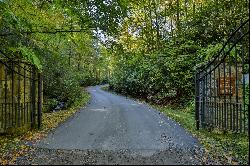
x: 13, y: 146
x: 224, y: 148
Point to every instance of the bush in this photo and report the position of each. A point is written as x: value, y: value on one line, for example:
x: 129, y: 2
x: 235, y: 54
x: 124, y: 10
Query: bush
x: 60, y: 82
x: 162, y: 77
x: 49, y: 105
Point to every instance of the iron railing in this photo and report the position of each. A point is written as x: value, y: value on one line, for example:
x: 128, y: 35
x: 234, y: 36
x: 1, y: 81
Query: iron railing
x: 20, y: 94
x: 222, y: 86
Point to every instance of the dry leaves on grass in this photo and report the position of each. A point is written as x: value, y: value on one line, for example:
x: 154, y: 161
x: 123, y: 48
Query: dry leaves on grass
x: 14, y: 146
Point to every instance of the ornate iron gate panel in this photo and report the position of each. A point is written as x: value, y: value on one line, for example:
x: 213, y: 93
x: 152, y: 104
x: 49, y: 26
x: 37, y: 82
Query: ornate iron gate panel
x: 20, y: 94
x: 222, y: 86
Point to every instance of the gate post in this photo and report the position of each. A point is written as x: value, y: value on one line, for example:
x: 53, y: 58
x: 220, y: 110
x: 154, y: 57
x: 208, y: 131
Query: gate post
x: 197, y: 101
x: 39, y: 104
x: 33, y: 98
x: 203, y: 106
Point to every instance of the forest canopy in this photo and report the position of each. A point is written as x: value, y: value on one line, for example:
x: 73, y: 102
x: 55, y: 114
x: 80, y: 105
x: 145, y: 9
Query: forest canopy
x: 146, y: 48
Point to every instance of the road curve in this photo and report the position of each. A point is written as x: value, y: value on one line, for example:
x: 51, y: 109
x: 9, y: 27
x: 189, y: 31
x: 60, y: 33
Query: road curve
x: 128, y: 131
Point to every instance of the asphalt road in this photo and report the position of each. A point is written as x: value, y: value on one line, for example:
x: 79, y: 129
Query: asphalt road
x: 113, y: 129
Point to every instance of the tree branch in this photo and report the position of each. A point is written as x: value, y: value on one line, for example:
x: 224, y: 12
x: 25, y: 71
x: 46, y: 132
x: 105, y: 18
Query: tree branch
x: 47, y: 31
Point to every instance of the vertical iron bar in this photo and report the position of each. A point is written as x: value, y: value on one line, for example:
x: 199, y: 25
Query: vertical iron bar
x: 9, y: 111
x: 234, y: 117
x: 5, y: 98
x: 22, y: 108
x: 16, y: 110
x: 18, y: 96
x: 203, y: 103
x: 210, y: 95
x: 244, y: 84
x: 197, y: 102
x: 224, y: 110
x: 243, y: 89
x: 237, y: 88
x: 219, y: 109
x: 206, y: 110
x: 2, y: 119
x: 24, y: 92
x: 215, y: 98
x: 235, y: 80
x: 231, y: 92
x: 39, y: 115
x: 33, y: 94
x: 248, y: 110
x: 222, y: 105
x: 12, y: 94
x: 28, y: 112
x: 30, y: 95
x: 240, y: 109
x: 218, y: 115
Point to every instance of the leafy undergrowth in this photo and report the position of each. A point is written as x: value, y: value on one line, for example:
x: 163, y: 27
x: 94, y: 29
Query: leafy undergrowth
x: 224, y: 148
x: 13, y: 146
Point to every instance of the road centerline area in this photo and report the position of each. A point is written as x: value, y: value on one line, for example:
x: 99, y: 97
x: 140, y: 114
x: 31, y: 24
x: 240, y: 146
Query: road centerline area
x: 125, y: 130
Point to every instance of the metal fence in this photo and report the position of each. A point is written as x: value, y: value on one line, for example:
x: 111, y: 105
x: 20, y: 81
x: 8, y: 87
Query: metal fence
x: 20, y: 94
x: 222, y: 86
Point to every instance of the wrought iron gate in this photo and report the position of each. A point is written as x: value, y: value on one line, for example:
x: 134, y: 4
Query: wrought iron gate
x: 222, y: 86
x: 20, y: 94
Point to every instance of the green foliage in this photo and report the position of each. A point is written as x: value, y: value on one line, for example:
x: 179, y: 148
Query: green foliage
x: 26, y: 54
x: 158, y: 64
x: 146, y: 49
x: 61, y: 83
x: 67, y: 60
x: 50, y: 105
x: 30, y: 56
x: 210, y: 51
x: 160, y: 76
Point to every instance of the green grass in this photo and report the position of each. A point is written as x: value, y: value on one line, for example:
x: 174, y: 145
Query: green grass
x: 226, y: 148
